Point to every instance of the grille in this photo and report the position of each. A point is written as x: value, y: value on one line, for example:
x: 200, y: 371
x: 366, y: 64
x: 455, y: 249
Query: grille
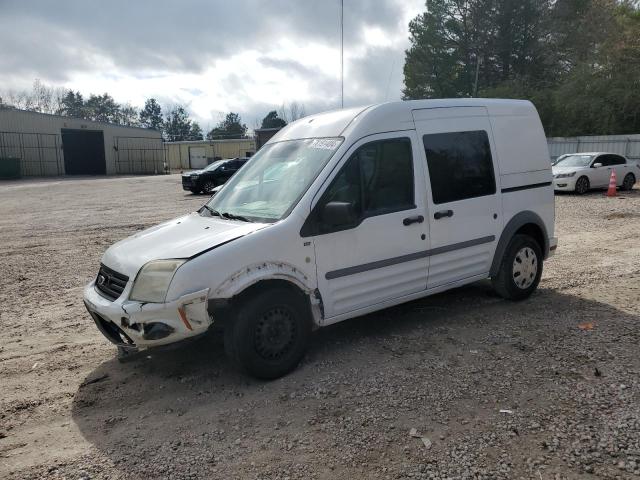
x: 110, y: 283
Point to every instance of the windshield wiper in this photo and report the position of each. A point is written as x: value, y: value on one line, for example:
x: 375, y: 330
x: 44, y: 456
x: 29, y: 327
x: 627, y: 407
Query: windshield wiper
x: 231, y: 216
x: 212, y: 211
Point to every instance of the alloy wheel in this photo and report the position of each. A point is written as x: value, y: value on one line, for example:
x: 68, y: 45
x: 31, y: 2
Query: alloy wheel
x: 209, y: 186
x: 582, y: 185
x: 628, y: 182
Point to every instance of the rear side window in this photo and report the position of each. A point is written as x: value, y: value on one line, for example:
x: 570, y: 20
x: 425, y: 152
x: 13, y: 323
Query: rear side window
x: 460, y: 165
x: 617, y: 160
x: 610, y: 160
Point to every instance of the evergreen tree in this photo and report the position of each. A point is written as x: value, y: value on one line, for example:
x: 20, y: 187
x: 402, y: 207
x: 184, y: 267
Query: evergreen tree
x: 72, y: 105
x: 272, y: 120
x: 577, y: 60
x: 151, y: 115
x: 177, y: 125
x: 230, y: 127
x: 102, y: 108
x: 196, y: 132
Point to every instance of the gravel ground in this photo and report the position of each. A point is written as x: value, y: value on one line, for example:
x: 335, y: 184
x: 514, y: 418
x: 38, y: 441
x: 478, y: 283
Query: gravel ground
x: 548, y: 388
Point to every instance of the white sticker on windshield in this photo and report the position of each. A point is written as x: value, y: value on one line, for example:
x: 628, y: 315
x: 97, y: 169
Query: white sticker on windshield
x: 325, y: 143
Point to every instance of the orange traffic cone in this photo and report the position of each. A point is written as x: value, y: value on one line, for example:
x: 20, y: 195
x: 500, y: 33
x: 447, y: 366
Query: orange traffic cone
x: 612, y: 185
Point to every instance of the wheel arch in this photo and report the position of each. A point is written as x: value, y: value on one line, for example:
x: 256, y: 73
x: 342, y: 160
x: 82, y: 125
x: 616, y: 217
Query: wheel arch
x: 265, y: 275
x: 528, y: 223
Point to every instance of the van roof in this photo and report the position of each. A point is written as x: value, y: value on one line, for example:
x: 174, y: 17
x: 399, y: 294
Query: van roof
x: 391, y: 116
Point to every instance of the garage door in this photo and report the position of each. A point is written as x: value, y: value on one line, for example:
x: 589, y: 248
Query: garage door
x: 83, y: 152
x: 197, y: 157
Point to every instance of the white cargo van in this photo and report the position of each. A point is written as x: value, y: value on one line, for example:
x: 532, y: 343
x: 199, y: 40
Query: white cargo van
x: 338, y: 215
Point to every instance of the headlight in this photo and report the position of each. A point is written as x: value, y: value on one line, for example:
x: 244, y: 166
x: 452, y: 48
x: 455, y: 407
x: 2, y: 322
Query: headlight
x: 565, y: 175
x: 153, y: 280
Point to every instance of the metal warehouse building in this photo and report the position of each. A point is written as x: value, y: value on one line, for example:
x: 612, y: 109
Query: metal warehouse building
x: 628, y: 145
x: 56, y: 145
x: 198, y: 154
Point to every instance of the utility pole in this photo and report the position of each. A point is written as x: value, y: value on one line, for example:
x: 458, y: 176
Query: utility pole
x: 475, y: 85
x: 341, y: 53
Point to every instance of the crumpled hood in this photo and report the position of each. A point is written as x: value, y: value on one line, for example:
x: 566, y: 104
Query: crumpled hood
x: 181, y: 237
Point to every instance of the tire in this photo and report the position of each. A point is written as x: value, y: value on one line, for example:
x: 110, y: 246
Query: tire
x: 520, y: 269
x: 269, y: 333
x: 628, y: 182
x: 582, y: 185
x: 195, y: 191
x: 208, y: 186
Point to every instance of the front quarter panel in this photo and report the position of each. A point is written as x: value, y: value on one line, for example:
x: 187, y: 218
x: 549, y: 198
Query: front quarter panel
x: 274, y: 252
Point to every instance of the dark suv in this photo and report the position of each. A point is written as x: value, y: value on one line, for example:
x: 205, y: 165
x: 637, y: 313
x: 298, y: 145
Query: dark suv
x: 215, y: 174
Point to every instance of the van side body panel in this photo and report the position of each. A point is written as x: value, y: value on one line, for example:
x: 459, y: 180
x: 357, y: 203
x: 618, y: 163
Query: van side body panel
x: 525, y: 176
x: 292, y: 258
x: 468, y: 238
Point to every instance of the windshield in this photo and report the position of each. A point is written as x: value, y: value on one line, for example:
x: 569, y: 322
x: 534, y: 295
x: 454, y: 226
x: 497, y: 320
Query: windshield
x: 274, y: 180
x: 214, y: 165
x: 574, y: 161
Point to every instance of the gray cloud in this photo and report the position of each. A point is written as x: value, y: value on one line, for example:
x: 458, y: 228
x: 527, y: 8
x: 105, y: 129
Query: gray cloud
x: 54, y: 41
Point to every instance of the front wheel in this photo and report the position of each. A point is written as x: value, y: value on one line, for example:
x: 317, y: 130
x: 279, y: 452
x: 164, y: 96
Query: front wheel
x: 520, y: 270
x: 208, y: 187
x: 628, y: 182
x: 582, y: 185
x: 270, y: 332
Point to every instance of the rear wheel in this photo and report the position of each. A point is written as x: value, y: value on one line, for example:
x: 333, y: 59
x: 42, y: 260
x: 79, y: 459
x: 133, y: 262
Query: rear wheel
x: 270, y: 332
x: 582, y: 185
x: 520, y: 270
x: 628, y: 182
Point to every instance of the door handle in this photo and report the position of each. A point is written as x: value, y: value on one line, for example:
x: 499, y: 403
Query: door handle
x: 409, y: 220
x: 442, y: 214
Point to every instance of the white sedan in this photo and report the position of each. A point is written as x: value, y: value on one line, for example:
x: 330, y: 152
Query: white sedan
x: 580, y: 172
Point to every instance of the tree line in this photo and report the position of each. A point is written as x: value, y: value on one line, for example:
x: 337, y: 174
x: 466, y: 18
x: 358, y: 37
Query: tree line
x: 174, y: 122
x: 578, y: 61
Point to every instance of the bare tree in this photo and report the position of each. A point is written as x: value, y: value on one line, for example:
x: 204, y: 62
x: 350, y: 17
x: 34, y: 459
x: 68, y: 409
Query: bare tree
x: 128, y: 115
x: 290, y: 112
x: 41, y: 98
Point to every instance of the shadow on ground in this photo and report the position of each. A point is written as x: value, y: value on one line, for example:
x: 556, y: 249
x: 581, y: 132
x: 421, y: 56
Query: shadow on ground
x: 465, y: 345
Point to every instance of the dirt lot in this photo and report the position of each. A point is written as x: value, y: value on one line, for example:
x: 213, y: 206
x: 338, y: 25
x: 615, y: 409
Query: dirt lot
x: 445, y: 365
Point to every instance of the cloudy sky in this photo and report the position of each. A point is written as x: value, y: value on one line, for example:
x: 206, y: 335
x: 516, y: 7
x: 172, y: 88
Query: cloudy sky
x: 247, y: 56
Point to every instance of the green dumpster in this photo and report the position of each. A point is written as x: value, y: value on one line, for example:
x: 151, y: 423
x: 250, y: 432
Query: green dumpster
x: 9, y: 167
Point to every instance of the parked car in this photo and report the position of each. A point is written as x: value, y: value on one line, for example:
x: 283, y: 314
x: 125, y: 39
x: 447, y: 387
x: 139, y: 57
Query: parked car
x: 338, y: 215
x: 554, y: 161
x: 215, y: 174
x: 580, y: 172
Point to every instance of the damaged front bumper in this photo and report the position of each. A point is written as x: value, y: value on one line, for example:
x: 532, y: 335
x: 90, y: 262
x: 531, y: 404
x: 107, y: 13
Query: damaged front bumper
x: 133, y: 325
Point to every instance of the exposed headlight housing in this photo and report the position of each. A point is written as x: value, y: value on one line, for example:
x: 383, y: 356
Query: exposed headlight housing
x: 153, y: 281
x: 565, y: 175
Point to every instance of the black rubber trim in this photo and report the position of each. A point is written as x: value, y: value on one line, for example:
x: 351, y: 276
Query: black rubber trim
x: 510, y: 229
x: 344, y: 272
x: 526, y: 187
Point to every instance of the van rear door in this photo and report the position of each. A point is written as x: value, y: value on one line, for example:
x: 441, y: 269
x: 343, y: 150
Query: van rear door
x: 465, y: 212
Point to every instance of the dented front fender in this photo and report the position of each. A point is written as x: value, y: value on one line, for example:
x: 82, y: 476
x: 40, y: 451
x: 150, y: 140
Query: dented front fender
x: 263, y: 271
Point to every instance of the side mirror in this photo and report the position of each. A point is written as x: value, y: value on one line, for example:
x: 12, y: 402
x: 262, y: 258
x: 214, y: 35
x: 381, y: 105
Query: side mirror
x: 338, y: 214
x: 596, y: 165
